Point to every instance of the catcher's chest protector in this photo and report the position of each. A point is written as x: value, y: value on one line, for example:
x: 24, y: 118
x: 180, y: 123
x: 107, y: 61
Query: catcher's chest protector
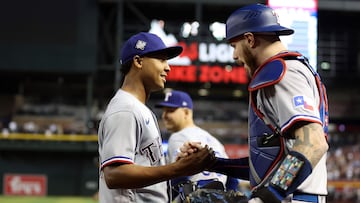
x: 265, y: 143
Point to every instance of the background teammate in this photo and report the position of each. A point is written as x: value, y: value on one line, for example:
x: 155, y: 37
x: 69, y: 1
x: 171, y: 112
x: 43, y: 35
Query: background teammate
x: 132, y: 162
x: 288, y: 113
x: 177, y: 116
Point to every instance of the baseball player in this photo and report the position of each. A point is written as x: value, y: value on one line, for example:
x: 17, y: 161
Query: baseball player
x: 178, y: 119
x: 132, y: 162
x: 288, y: 113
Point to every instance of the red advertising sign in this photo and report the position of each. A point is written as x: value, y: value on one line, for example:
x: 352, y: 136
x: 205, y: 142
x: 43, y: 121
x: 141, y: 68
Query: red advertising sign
x: 21, y: 184
x: 206, y: 62
x: 201, y: 62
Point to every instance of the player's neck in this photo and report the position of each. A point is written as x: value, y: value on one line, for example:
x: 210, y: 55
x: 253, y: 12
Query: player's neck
x: 137, y: 92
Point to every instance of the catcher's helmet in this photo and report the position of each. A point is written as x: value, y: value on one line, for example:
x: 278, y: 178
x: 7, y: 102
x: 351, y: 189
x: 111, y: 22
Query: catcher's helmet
x: 254, y: 18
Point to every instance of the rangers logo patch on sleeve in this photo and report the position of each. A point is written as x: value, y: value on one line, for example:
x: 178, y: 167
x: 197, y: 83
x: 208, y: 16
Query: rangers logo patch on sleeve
x: 300, y: 101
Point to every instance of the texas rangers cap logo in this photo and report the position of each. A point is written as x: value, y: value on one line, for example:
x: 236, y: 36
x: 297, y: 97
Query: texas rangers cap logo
x: 140, y: 45
x: 276, y: 16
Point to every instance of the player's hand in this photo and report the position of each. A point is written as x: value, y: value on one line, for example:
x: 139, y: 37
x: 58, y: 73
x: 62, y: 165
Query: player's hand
x: 197, y: 162
x: 188, y: 148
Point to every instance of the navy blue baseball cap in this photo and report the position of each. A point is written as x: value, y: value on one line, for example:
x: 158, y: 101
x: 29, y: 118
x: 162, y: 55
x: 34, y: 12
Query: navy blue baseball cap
x: 256, y: 18
x: 145, y: 43
x: 176, y: 99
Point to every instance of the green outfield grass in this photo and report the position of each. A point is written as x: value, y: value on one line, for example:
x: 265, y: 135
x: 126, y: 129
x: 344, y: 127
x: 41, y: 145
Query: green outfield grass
x: 24, y: 199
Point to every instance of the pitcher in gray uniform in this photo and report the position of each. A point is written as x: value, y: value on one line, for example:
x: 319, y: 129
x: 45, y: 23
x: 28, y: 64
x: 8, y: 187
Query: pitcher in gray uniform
x: 288, y: 113
x: 132, y: 162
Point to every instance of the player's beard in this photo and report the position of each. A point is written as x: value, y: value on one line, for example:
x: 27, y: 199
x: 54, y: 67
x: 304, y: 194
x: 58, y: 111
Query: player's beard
x: 249, y: 60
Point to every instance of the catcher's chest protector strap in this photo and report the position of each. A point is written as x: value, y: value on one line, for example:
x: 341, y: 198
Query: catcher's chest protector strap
x: 267, y: 147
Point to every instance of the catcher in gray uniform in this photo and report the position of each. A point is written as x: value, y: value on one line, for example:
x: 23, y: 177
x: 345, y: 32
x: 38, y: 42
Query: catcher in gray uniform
x: 288, y: 113
x: 132, y: 162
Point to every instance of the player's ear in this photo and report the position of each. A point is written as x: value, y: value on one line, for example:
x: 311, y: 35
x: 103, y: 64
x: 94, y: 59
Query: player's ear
x: 250, y: 38
x: 187, y: 111
x: 138, y: 61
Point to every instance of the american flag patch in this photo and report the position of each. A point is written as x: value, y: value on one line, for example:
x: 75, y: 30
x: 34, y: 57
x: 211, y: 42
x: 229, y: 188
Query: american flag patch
x: 299, y: 101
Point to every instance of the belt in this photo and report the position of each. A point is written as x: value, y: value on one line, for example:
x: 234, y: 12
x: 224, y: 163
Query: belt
x: 305, y: 197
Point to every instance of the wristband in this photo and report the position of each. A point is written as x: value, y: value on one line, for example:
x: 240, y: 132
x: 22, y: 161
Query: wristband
x: 294, y: 169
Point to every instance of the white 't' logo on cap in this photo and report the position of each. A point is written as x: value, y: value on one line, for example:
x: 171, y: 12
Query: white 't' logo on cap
x: 140, y: 45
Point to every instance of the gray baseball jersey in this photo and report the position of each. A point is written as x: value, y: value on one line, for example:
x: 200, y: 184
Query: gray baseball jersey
x: 129, y: 134
x: 196, y: 134
x: 295, y: 98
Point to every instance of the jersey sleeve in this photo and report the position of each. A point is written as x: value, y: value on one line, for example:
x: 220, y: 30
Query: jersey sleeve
x: 296, y: 98
x: 119, y: 138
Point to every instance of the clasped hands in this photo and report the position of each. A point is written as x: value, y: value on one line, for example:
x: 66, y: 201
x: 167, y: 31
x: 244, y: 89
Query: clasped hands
x: 203, y: 155
x: 189, y: 148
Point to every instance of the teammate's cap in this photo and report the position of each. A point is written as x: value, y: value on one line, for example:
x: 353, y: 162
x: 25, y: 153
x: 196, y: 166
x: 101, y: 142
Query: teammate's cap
x: 176, y: 99
x: 145, y: 43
